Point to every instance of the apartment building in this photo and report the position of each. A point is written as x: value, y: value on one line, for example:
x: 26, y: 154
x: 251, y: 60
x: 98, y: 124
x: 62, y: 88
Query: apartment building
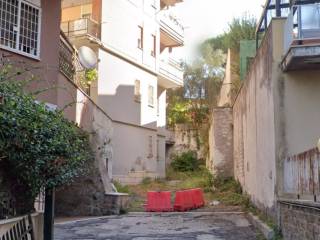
x: 135, y: 42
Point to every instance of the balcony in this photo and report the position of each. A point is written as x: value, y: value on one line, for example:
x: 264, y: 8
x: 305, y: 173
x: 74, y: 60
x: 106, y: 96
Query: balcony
x: 80, y: 30
x: 170, y: 74
x: 69, y: 64
x: 302, y: 38
x: 171, y: 31
x: 167, y: 3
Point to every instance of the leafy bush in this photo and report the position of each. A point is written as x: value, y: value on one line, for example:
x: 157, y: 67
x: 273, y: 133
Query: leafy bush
x: 39, y: 148
x: 146, y: 181
x: 186, y: 162
x: 121, y: 188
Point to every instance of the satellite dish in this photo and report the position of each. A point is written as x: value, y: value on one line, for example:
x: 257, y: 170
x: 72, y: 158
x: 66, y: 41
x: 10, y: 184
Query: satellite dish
x: 87, y: 57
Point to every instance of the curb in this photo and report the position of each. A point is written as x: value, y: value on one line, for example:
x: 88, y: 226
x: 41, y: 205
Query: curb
x: 267, y: 232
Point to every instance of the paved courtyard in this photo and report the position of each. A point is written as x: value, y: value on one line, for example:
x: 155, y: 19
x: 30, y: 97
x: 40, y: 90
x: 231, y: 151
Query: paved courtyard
x: 168, y: 226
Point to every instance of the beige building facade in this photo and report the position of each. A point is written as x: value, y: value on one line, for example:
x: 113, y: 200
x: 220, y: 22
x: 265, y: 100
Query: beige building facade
x: 134, y: 41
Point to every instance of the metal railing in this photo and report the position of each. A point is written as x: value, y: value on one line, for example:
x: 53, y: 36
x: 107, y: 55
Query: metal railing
x: 69, y: 64
x: 171, y: 23
x: 303, y: 23
x: 80, y: 27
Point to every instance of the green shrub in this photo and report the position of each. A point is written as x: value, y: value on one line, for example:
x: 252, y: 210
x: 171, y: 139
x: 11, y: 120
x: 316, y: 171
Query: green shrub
x: 186, y: 162
x: 121, y: 188
x: 146, y: 181
x: 39, y: 148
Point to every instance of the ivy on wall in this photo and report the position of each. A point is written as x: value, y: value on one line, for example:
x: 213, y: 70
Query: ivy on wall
x: 39, y: 148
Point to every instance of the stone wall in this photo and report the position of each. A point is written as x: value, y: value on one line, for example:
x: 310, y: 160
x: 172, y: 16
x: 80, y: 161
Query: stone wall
x: 86, y: 197
x: 220, y: 160
x: 185, y: 138
x: 300, y: 221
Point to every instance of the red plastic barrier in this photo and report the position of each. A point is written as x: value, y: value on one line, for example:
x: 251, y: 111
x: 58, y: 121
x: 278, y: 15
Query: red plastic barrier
x: 158, y: 202
x: 198, y: 198
x: 189, y: 199
x: 183, y: 201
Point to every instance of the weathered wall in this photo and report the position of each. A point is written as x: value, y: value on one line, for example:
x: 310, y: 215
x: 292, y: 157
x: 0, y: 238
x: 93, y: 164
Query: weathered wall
x: 185, y: 139
x: 254, y: 128
x: 74, y: 200
x: 220, y: 159
x: 138, y: 153
x: 299, y: 221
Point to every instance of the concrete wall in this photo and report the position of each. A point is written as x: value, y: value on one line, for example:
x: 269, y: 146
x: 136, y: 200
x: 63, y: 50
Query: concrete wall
x: 276, y: 115
x: 254, y: 127
x: 220, y: 159
x: 138, y: 153
x: 116, y: 91
x: 74, y: 200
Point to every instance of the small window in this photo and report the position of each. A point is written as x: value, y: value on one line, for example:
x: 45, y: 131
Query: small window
x: 158, y: 150
x: 140, y: 37
x: 150, y: 147
x: 154, y: 45
x: 137, y: 93
x: 20, y: 27
x: 151, y: 96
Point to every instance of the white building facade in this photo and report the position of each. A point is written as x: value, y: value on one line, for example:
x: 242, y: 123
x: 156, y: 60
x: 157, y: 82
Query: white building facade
x: 134, y: 41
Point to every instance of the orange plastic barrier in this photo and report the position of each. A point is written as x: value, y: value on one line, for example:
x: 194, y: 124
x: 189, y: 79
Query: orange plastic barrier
x: 188, y: 199
x: 158, y: 202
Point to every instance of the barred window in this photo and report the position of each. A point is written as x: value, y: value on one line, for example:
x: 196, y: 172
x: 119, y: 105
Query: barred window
x: 20, y: 27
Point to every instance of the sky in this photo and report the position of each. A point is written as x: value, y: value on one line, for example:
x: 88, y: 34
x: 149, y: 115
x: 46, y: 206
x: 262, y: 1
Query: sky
x: 203, y: 19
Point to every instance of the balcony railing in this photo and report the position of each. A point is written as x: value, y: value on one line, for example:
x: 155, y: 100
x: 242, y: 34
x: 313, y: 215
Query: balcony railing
x: 80, y: 27
x: 172, y: 26
x: 69, y: 64
x: 172, y: 70
x: 302, y: 26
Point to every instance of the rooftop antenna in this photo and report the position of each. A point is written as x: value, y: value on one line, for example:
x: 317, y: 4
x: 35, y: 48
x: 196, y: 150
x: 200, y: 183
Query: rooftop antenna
x: 87, y: 57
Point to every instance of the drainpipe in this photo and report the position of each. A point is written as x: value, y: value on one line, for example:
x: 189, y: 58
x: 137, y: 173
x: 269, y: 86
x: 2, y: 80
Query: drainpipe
x: 48, y: 215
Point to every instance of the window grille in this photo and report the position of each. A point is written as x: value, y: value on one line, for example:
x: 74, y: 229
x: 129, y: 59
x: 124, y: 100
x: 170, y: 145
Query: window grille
x: 20, y: 27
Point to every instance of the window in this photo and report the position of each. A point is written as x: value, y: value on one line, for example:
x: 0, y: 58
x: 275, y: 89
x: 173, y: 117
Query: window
x: 150, y: 96
x: 158, y: 150
x: 20, y: 27
x: 140, y: 37
x: 137, y: 93
x: 154, y: 45
x: 150, y: 147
